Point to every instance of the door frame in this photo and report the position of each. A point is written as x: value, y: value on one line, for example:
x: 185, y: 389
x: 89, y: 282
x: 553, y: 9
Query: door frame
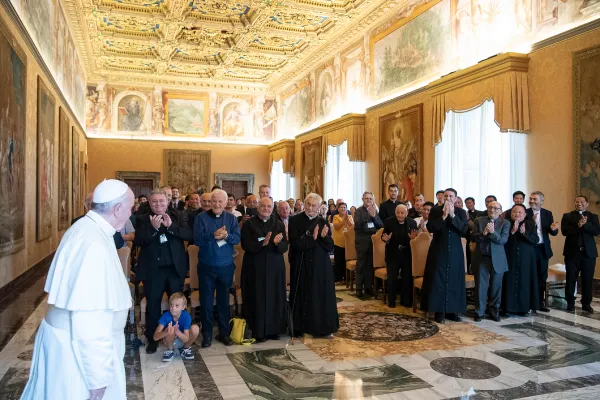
x: 248, y: 178
x: 155, y: 176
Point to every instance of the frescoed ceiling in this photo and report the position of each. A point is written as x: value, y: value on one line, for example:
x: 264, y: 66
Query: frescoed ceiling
x: 245, y: 44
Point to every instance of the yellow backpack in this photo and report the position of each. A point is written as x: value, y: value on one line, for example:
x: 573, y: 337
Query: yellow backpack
x: 239, y: 333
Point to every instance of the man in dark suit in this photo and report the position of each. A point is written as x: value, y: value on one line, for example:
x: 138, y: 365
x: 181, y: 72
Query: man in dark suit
x: 398, y: 231
x: 387, y: 208
x: 545, y: 227
x: 518, y: 198
x: 580, y: 227
x: 242, y: 207
x: 176, y: 202
x: 489, y: 260
x: 162, y: 262
x: 250, y: 209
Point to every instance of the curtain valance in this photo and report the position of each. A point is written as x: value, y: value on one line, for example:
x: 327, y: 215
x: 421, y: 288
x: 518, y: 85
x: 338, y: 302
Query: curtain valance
x: 349, y: 128
x: 502, y: 78
x: 283, y: 150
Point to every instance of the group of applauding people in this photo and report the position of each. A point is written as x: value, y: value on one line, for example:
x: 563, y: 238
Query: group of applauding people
x: 508, y: 252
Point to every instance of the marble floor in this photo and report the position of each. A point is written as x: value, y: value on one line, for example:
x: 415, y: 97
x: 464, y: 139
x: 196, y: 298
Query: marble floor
x: 379, y: 353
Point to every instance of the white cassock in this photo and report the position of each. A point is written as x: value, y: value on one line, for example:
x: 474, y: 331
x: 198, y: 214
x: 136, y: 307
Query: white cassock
x: 80, y: 344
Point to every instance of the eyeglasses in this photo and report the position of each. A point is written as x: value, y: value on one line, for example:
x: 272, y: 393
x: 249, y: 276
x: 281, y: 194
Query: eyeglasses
x: 495, y: 208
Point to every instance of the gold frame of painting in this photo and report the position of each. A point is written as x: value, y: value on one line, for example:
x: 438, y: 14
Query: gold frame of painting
x: 420, y: 9
x: 417, y: 110
x: 185, y: 96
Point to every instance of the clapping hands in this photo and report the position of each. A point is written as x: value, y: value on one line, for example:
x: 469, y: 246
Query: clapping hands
x: 385, y: 237
x: 221, y: 233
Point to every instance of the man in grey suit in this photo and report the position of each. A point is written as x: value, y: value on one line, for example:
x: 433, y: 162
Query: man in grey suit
x: 489, y: 260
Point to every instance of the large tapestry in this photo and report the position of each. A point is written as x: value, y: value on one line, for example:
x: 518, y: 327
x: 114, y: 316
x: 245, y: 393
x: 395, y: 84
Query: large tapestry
x: 64, y: 125
x: 189, y: 170
x: 412, y: 49
x: 401, y: 153
x: 13, y: 75
x: 76, y: 195
x: 586, y: 106
x: 312, y: 168
x: 45, y: 160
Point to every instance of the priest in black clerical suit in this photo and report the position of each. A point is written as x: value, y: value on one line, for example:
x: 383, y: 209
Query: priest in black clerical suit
x: 263, y: 273
x: 398, y: 231
x: 520, y: 286
x: 443, y: 289
x: 312, y: 286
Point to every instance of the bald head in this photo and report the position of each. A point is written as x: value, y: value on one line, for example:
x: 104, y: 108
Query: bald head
x: 265, y: 208
x: 252, y: 201
x: 205, y: 201
x: 401, y: 213
x: 283, y: 210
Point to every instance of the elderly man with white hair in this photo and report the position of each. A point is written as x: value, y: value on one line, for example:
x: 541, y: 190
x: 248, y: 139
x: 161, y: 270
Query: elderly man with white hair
x: 215, y: 233
x: 312, y: 289
x: 397, y: 234
x: 79, y: 347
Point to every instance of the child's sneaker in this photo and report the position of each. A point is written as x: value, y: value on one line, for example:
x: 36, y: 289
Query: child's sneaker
x: 168, y: 355
x: 187, y: 354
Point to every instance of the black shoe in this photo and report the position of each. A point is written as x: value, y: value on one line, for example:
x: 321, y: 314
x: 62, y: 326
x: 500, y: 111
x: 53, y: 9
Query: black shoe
x: 453, y: 317
x: 495, y: 318
x: 505, y: 315
x: 587, y: 308
x: 477, y: 318
x: 359, y: 293
x: 522, y: 314
x: 151, y: 348
x: 226, y: 340
x: 544, y: 309
x: 206, y: 340
x: 392, y: 305
x: 570, y: 307
x: 439, y: 318
x: 298, y: 334
x: 274, y: 337
x: 369, y: 292
x: 261, y: 339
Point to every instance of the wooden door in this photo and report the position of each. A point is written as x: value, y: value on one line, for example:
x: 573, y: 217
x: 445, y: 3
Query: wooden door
x: 140, y: 186
x: 237, y: 188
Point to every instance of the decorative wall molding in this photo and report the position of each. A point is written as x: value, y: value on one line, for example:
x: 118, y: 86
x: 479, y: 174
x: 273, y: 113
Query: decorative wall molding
x: 249, y: 178
x: 155, y: 176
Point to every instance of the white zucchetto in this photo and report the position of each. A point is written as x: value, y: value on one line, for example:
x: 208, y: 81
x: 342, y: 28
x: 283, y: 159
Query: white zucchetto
x: 108, y: 190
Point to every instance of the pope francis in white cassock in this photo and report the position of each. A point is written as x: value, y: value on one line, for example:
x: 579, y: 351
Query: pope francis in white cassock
x: 80, y: 345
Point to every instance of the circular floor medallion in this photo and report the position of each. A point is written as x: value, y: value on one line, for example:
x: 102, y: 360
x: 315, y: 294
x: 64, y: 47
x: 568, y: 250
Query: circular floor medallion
x: 384, y: 327
x: 465, y: 368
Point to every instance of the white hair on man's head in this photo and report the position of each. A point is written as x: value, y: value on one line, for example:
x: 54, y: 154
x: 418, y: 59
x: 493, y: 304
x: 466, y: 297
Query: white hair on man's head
x: 401, y: 206
x: 218, y: 192
x: 282, y: 203
x: 108, y: 207
x: 313, y: 197
x: 158, y: 191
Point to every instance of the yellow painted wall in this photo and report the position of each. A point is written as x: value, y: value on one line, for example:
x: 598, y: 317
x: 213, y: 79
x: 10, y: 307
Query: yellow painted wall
x: 107, y: 156
x: 11, y: 266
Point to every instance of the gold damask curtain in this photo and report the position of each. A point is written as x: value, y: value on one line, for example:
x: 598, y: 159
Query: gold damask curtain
x: 283, y: 150
x: 351, y: 128
x: 502, y: 79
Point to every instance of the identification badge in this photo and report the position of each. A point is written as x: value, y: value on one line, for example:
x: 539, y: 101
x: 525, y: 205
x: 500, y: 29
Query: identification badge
x: 260, y: 239
x: 221, y: 243
x: 163, y: 238
x: 370, y: 225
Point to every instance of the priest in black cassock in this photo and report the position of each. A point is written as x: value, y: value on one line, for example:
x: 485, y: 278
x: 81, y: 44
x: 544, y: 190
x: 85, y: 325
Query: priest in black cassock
x: 263, y: 273
x: 520, y: 287
x: 443, y: 289
x: 398, y: 231
x: 312, y: 287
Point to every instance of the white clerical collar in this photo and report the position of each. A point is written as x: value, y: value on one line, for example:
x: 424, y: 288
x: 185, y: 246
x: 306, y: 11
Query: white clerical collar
x: 581, y: 212
x: 102, y: 223
x: 217, y: 215
x: 309, y: 217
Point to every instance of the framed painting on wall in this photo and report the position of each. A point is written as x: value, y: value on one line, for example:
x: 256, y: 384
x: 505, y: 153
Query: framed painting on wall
x: 64, y: 125
x: 297, y: 106
x: 45, y: 160
x: 312, y: 169
x: 188, y: 170
x: 186, y: 114
x: 75, y: 179
x: 400, y: 158
x: 586, y: 121
x: 12, y: 143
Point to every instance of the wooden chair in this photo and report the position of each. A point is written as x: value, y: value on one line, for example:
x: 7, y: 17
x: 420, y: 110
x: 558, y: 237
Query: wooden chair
x: 469, y: 279
x: 419, y: 248
x: 350, y: 257
x: 379, y: 266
